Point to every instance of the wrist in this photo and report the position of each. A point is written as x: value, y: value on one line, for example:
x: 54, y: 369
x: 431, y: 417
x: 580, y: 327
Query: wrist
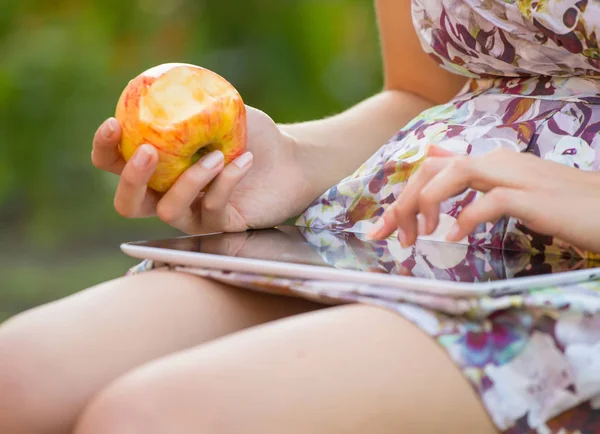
x: 312, y: 163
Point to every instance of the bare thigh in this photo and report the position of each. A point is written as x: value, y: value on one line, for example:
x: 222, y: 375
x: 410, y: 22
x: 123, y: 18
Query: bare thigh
x: 54, y: 358
x: 352, y: 369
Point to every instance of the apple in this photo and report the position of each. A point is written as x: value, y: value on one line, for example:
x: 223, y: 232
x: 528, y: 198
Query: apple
x: 185, y: 112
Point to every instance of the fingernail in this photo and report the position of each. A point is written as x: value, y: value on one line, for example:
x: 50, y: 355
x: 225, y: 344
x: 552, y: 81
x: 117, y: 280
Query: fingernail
x: 244, y: 160
x: 402, y: 237
x: 212, y: 160
x: 376, y: 228
x: 421, y: 224
x: 142, y: 157
x: 453, y: 233
x: 109, y: 127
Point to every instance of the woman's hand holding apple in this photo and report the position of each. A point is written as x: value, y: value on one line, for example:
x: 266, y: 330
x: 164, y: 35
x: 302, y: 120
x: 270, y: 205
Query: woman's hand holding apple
x: 263, y: 186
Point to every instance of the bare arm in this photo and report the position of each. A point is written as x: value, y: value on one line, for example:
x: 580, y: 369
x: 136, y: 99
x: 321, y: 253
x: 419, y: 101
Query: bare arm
x: 288, y: 166
x: 413, y: 82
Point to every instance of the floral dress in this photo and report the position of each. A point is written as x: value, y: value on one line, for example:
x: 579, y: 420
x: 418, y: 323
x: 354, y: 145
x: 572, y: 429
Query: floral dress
x: 533, y: 357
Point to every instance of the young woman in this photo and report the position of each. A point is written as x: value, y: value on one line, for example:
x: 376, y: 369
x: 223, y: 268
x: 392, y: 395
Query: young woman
x: 163, y: 352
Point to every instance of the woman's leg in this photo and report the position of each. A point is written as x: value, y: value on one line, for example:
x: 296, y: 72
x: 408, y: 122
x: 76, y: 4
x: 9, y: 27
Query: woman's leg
x: 352, y: 369
x: 53, y: 359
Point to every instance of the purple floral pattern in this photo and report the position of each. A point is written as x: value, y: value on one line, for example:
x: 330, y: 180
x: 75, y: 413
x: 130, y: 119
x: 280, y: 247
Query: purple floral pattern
x: 491, y: 38
x: 510, y: 113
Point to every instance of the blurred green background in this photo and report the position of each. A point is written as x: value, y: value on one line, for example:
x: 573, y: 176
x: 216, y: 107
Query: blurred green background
x: 63, y: 65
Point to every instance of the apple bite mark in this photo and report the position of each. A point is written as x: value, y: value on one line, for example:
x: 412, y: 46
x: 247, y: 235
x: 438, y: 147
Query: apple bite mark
x: 171, y: 99
x: 185, y: 112
x: 160, y: 70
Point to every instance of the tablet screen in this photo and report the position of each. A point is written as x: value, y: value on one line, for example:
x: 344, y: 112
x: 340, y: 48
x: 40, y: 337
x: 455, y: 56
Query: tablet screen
x: 351, y: 251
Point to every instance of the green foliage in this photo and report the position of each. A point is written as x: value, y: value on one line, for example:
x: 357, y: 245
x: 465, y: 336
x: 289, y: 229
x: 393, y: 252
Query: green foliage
x: 64, y: 63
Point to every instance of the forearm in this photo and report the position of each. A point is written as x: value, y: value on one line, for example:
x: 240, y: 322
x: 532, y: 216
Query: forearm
x: 332, y: 148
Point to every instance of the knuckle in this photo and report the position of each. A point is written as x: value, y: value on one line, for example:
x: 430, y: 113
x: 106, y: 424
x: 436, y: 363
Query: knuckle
x: 98, y: 160
x: 428, y: 166
x: 232, y: 173
x: 101, y: 143
x: 468, y: 217
x: 167, y: 213
x: 389, y: 213
x: 500, y: 197
x: 400, y: 214
x: 192, y: 176
x: 426, y: 197
x: 127, y: 184
x: 230, y: 176
x: 385, y: 217
x: 128, y: 180
x: 121, y: 208
x: 210, y: 205
x: 461, y: 164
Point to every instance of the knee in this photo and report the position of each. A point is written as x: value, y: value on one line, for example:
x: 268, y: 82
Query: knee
x: 117, y: 412
x: 127, y: 407
x: 30, y: 392
x: 147, y: 402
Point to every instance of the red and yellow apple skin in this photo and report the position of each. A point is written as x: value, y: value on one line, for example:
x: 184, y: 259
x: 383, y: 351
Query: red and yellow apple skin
x: 184, y: 111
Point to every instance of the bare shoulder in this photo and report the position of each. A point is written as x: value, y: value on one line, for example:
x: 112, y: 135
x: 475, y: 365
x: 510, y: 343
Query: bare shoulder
x: 406, y: 65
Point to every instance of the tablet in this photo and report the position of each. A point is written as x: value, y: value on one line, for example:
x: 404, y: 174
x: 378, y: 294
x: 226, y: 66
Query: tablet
x: 451, y: 269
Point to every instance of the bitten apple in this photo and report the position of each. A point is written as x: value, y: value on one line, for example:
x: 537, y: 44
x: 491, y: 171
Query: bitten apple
x: 185, y: 112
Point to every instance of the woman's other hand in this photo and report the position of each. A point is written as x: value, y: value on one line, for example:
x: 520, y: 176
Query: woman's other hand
x: 547, y: 197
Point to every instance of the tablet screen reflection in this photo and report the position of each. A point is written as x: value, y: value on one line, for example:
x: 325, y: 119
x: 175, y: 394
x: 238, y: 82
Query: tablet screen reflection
x: 347, y: 250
